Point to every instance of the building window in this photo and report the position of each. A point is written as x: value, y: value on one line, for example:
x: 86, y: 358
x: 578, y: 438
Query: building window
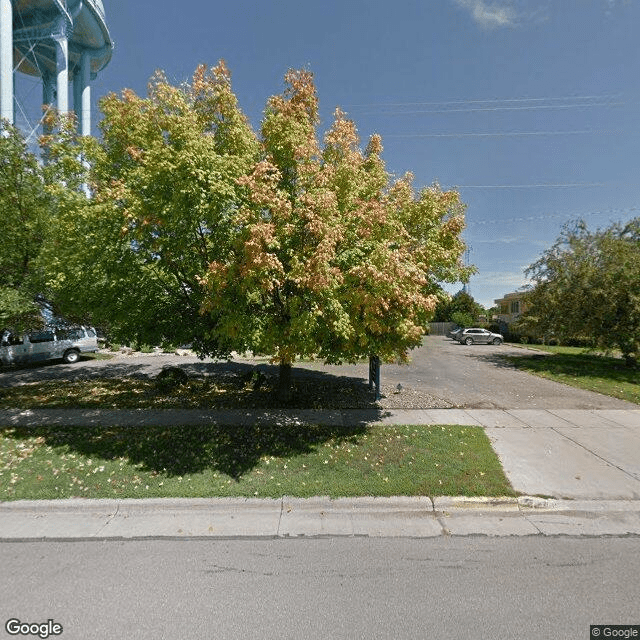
x: 515, y: 307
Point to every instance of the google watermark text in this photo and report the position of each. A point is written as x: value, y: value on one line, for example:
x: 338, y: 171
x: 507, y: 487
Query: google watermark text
x: 15, y: 627
x: 598, y: 631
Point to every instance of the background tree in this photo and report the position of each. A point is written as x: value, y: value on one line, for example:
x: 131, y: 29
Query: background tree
x: 463, y: 319
x: 463, y: 306
x: 588, y: 285
x: 25, y: 212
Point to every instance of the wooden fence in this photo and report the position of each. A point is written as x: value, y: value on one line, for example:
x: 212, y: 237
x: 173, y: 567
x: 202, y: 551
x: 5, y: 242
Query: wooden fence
x: 441, y: 328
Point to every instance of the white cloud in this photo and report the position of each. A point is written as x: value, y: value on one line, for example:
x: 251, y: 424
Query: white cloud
x: 612, y: 5
x: 490, y: 15
x: 504, y: 240
x: 509, y: 280
x: 495, y: 14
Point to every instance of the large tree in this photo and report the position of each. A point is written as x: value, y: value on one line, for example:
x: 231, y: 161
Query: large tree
x: 333, y: 258
x: 588, y: 285
x: 203, y: 230
x: 164, y: 185
x: 25, y: 211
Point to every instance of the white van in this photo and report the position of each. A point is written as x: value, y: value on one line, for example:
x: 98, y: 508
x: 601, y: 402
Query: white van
x: 47, y: 344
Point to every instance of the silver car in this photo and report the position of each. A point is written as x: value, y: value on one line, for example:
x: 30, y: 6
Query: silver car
x: 479, y: 336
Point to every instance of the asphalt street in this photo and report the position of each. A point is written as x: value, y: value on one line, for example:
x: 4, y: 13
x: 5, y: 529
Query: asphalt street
x: 391, y: 588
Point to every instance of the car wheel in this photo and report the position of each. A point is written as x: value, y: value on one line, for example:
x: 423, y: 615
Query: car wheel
x: 71, y: 356
x: 497, y: 341
x: 468, y: 341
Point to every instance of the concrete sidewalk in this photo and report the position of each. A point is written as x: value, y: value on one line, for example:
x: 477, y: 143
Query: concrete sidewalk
x: 587, y: 460
x: 532, y: 418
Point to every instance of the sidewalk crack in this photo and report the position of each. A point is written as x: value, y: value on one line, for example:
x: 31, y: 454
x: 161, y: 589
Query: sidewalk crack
x: 439, y: 517
x: 526, y: 517
x: 109, y: 520
x: 280, y: 516
x: 593, y: 453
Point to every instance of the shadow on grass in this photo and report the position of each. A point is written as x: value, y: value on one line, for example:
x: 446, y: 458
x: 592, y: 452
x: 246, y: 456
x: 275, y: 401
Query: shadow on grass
x: 213, y: 385
x: 581, y: 365
x: 589, y: 371
x: 177, y: 451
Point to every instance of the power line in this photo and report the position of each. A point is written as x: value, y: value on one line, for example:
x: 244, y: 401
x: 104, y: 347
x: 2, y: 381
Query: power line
x: 508, y: 108
x: 501, y: 134
x: 556, y: 214
x: 485, y: 101
x: 549, y: 185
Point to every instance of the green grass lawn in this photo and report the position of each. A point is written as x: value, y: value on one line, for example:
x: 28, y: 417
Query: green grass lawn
x: 578, y: 367
x: 259, y: 461
x: 551, y: 348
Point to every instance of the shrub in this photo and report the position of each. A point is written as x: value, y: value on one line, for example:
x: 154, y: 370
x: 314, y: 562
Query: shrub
x: 171, y: 378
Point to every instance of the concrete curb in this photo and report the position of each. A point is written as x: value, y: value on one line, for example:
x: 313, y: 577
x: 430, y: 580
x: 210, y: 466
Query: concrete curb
x: 415, y: 517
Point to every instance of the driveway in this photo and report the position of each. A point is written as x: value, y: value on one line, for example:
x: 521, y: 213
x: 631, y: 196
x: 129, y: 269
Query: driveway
x: 478, y: 377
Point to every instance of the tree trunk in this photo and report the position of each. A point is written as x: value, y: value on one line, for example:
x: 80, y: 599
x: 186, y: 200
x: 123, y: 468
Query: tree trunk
x: 284, y: 382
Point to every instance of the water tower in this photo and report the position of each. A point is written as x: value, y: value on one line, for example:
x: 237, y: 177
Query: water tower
x: 58, y: 42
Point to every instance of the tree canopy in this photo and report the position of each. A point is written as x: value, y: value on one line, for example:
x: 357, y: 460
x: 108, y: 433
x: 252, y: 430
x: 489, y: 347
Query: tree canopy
x: 460, y: 308
x: 164, y: 184
x: 202, y: 230
x: 588, y: 285
x: 25, y: 210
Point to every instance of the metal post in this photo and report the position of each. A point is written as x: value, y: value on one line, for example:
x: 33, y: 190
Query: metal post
x: 6, y: 60
x: 374, y: 375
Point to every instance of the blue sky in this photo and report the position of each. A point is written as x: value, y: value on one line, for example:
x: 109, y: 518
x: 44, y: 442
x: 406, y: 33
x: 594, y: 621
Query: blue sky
x: 528, y: 107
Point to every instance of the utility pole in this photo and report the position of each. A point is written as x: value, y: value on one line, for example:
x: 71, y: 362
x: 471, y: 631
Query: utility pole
x: 467, y: 287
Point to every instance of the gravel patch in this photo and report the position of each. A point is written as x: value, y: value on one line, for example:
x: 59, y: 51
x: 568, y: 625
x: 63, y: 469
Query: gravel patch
x: 309, y: 392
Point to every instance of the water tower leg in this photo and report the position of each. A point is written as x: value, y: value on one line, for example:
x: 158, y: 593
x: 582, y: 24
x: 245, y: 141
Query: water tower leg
x: 77, y: 97
x: 82, y: 95
x: 6, y: 60
x: 62, y: 72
